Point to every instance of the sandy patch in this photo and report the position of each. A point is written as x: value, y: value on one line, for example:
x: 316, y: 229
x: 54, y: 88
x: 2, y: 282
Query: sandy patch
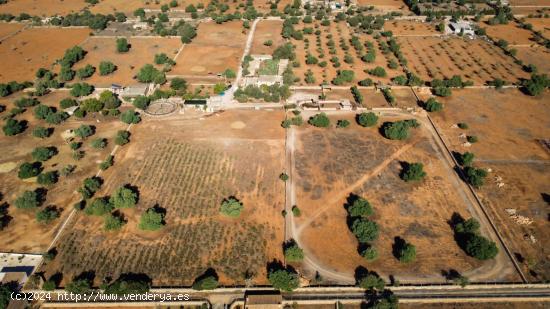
x: 7, y: 167
x: 238, y: 125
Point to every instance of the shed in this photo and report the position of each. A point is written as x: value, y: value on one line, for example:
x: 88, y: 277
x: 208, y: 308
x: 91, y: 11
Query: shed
x: 263, y: 301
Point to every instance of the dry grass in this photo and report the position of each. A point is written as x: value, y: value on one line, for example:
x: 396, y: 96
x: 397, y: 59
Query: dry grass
x: 42, y: 7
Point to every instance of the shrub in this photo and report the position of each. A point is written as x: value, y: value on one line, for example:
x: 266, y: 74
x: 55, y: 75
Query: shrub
x: 47, y: 215
x: 28, y: 170
x: 413, y: 172
x: 370, y: 253
x: 367, y: 119
x: 85, y: 72
x: 107, y: 163
x: 109, y: 100
x: 465, y: 159
x: 79, y: 286
x: 42, y: 111
x: 67, y: 102
x: 475, y: 176
x: 141, y: 102
x: 99, y: 143
x: 122, y: 45
x: 442, y: 91
x: 472, y: 139
x: 122, y: 137
x: 293, y: 253
x: 41, y: 132
x: 283, y: 176
x: 463, y: 125
x: 81, y: 89
x: 205, y: 283
x: 342, y: 123
x: 113, y: 223
x: 98, y: 207
x: 124, y: 197
x: 43, y: 153
x: 364, y: 229
x: 151, y: 220
x: 57, y: 117
x: 84, y: 131
x: 320, y: 120
x: 372, y: 281
x: 231, y: 207
x: 27, y: 200
x: 283, y: 280
x: 475, y: 245
x: 148, y: 73
x: 49, y: 285
x: 296, y: 212
x: 432, y: 105
x: 48, y: 178
x: 106, y: 68
x: 130, y: 116
x: 360, y: 208
x: 89, y: 187
x: 407, y: 253
x: 13, y: 127
x: 378, y: 71
x: 398, y: 130
x: 537, y: 84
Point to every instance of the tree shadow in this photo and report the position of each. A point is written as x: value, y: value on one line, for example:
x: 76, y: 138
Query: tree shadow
x: 86, y: 275
x: 397, y: 246
x: 450, y: 274
x: 41, y: 194
x: 210, y: 272
x: 56, y: 278
x: 141, y: 277
x: 5, y: 218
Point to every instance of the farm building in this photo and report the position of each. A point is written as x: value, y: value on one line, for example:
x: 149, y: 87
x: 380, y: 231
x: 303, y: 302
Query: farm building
x: 460, y: 28
x: 263, y: 301
x: 264, y: 71
x: 130, y: 91
x: 326, y: 105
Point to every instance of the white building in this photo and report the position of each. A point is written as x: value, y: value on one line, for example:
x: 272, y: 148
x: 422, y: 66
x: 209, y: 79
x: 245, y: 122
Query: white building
x: 461, y: 27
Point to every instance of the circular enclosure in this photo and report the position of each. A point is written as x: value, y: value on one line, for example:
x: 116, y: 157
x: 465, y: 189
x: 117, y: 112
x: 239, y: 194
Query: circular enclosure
x: 161, y: 108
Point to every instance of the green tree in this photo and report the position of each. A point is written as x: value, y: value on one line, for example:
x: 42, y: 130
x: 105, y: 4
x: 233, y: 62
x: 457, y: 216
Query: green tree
x: 370, y: 253
x: 231, y: 207
x: 360, y: 208
x: 372, y: 281
x: 149, y: 74
x: 99, y: 143
x: 109, y: 100
x: 320, y: 120
x: 13, y: 127
x: 141, y: 102
x: 98, y: 207
x: 475, y: 176
x: 367, y: 119
x: 364, y: 229
x: 41, y: 132
x: 151, y: 220
x: 293, y: 253
x: 130, y: 116
x: 113, y: 223
x: 48, y: 178
x: 86, y: 71
x: 27, y: 200
x: 42, y: 111
x: 413, y: 172
x: 537, y: 84
x: 432, y: 105
x: 28, y: 170
x: 106, y: 68
x: 178, y: 84
x: 79, y: 286
x: 205, y: 283
x: 84, y: 131
x: 407, y: 253
x: 67, y: 102
x: 124, y: 197
x: 342, y: 123
x: 47, y: 215
x: 480, y: 247
x: 48, y: 285
x: 43, y: 153
x: 81, y: 89
x: 122, y: 137
x: 283, y: 280
x: 122, y: 45
x: 126, y: 285
x: 398, y: 130
x: 89, y: 187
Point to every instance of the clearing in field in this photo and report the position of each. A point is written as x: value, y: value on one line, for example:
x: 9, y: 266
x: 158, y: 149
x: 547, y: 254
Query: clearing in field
x: 24, y: 233
x: 215, y: 49
x: 509, y: 127
x: 35, y: 48
x: 474, y: 60
x: 358, y: 160
x: 386, y: 5
x: 188, y: 167
x: 7, y: 29
x: 410, y: 28
x: 511, y: 33
x: 536, y: 55
x: 142, y: 51
x: 267, y: 30
x: 42, y: 8
x: 540, y: 24
x: 129, y: 6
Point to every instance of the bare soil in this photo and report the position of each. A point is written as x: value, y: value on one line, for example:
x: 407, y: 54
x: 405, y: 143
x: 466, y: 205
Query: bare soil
x: 42, y: 7
x: 129, y: 6
x: 23, y: 233
x: 537, y: 55
x: 360, y: 161
x: 386, y: 5
x: 474, y: 60
x: 267, y: 30
x: 502, y: 305
x: 540, y: 24
x: 35, y: 48
x: 409, y: 27
x: 508, y: 125
x: 188, y: 165
x: 142, y: 51
x: 511, y: 32
x: 216, y: 48
x: 7, y: 29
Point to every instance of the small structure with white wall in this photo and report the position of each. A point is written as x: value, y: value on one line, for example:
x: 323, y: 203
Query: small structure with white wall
x: 460, y: 27
x: 326, y: 105
x: 255, y: 78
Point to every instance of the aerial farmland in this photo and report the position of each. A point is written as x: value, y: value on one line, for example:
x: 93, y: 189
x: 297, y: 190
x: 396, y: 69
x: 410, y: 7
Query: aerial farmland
x: 274, y: 154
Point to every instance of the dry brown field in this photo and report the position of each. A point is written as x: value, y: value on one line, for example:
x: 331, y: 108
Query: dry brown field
x: 188, y: 165
x: 511, y: 32
x: 339, y: 31
x: 474, y: 60
x: 386, y: 5
x: 216, y: 48
x: 409, y: 27
x: 129, y: 6
x: 508, y: 125
x: 42, y: 7
x: 530, y: 2
x: 24, y: 234
x: 128, y: 64
x: 7, y: 29
x: 537, y: 55
x: 360, y: 161
x: 525, y: 11
x: 371, y: 98
x: 31, y: 49
x: 540, y: 24
x: 267, y: 30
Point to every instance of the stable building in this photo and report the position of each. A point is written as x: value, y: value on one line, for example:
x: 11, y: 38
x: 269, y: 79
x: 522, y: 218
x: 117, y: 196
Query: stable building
x: 263, y: 301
